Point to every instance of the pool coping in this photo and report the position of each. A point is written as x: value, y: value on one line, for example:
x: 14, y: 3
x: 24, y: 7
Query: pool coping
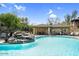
x: 39, y: 36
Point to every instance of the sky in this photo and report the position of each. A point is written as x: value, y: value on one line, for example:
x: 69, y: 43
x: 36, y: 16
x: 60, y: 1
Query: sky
x: 39, y: 13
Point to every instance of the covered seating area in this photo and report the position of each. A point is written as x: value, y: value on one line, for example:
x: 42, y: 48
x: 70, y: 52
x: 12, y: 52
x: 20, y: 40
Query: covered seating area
x: 51, y: 29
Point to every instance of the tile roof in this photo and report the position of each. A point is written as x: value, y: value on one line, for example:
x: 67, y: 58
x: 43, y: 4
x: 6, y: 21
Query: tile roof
x: 45, y: 25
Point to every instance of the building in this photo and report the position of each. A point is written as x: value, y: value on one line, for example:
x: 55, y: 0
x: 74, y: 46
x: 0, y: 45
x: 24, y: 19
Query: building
x: 44, y: 29
x: 58, y: 29
x: 75, y: 25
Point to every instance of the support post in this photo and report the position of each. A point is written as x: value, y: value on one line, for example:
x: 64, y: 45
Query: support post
x: 33, y: 30
x: 48, y: 30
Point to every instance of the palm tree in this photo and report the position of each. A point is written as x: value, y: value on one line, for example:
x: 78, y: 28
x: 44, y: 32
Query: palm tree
x: 74, y: 14
x: 67, y: 19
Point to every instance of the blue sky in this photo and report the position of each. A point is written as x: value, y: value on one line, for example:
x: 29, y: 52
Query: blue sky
x: 38, y: 13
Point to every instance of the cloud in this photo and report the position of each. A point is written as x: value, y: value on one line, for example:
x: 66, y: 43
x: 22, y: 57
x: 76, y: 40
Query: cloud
x: 58, y: 8
x: 52, y: 16
x: 3, y: 5
x: 50, y: 11
x: 19, y: 7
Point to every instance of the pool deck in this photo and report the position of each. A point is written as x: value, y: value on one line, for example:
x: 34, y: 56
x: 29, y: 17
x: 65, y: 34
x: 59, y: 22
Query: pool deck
x: 77, y: 37
x: 2, y: 40
x: 39, y: 35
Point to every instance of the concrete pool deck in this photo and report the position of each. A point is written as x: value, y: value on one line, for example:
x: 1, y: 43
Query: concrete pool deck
x: 77, y: 37
x: 2, y: 40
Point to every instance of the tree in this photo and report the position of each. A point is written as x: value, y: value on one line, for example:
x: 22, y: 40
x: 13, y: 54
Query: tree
x: 24, y: 23
x: 24, y: 20
x: 67, y: 19
x: 54, y: 21
x: 74, y: 14
x: 57, y: 21
x: 11, y: 22
x: 50, y: 22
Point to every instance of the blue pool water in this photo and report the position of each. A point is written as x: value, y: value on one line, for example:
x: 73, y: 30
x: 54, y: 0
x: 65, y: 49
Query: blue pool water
x: 43, y: 46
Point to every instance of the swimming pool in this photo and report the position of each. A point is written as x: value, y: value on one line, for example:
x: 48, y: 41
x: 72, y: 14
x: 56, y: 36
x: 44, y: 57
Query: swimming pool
x: 43, y: 46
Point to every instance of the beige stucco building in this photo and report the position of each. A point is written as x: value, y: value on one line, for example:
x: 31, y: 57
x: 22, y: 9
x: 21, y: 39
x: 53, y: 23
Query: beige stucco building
x: 75, y: 25
x: 51, y: 29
